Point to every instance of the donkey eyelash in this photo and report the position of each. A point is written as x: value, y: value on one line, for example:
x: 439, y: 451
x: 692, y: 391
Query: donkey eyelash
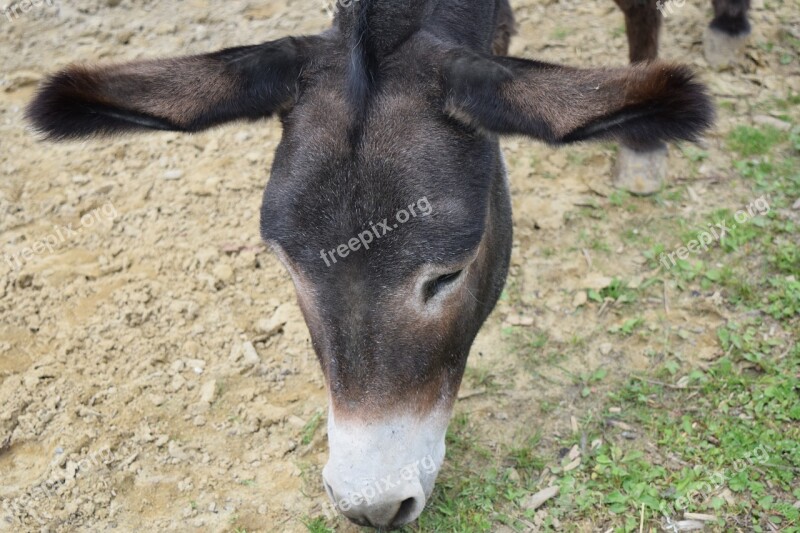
x: 435, y: 286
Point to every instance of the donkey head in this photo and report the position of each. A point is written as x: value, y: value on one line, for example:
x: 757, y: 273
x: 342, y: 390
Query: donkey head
x: 387, y: 201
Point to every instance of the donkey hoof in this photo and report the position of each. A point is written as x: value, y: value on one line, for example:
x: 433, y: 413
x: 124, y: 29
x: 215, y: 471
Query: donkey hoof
x: 723, y: 50
x: 640, y: 173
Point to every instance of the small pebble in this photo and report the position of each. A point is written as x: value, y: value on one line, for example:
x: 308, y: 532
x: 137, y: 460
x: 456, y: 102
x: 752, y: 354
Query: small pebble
x: 579, y: 299
x: 250, y: 354
x: 208, y: 391
x: 174, y: 174
x: 157, y: 399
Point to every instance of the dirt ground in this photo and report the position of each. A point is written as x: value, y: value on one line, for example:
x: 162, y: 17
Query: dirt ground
x: 155, y: 371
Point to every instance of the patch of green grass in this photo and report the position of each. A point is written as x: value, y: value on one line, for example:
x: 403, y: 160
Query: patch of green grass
x: 594, y: 213
x: 635, y: 236
x: 749, y: 141
x: 728, y: 445
x: 790, y: 102
x: 539, y: 340
x: 525, y: 458
x: 536, y: 348
x: 675, y: 195
x: 741, y: 291
x: 693, y: 153
x: 317, y: 525
x: 589, y: 378
x: 653, y: 255
x: 688, y: 271
x: 740, y: 433
x: 784, y: 299
x: 767, y: 46
x: 593, y: 240
x: 526, y: 340
x: 481, y: 378
x: 617, y: 291
x: 311, y: 428
x: 780, y: 180
x: 547, y: 407
x: 627, y: 327
x: 484, y: 488
x: 786, y: 258
x: 618, y: 197
x: 577, y: 341
x: 738, y: 235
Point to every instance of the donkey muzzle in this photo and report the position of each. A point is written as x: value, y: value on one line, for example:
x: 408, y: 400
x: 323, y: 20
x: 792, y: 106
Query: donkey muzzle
x: 381, y: 474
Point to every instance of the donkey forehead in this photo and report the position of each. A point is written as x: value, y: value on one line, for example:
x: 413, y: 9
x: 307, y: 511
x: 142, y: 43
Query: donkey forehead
x: 327, y: 187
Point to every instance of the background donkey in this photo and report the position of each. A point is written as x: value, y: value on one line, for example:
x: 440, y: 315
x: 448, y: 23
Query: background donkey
x: 399, y: 104
x: 644, y: 171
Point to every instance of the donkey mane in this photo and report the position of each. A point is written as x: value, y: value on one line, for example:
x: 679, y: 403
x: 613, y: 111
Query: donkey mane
x: 372, y: 30
x: 362, y: 65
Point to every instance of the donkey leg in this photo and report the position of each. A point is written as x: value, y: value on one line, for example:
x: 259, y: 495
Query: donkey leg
x: 643, y: 25
x: 641, y: 170
x: 727, y: 34
x: 505, y: 28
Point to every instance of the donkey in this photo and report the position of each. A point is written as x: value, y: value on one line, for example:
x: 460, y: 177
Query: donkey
x: 399, y: 104
x: 645, y: 171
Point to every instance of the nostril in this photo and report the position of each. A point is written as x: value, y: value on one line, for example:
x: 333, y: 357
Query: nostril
x: 329, y: 490
x: 392, y: 509
x: 406, y: 513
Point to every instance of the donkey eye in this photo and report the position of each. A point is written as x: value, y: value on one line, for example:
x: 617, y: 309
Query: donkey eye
x: 433, y: 287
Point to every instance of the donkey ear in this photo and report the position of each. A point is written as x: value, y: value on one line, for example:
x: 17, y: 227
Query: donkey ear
x: 641, y: 105
x: 181, y: 94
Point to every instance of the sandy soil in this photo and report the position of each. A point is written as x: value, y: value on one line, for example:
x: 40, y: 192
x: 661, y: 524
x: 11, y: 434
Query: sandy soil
x: 155, y: 372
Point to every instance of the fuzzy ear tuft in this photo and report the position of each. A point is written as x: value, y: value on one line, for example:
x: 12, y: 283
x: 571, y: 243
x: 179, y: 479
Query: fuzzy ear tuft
x: 642, y: 105
x: 181, y: 94
x: 71, y: 104
x: 662, y: 102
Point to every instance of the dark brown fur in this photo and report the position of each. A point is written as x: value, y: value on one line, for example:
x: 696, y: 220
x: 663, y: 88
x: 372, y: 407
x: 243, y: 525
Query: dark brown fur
x: 652, y: 102
x: 185, y: 94
x: 642, y: 24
